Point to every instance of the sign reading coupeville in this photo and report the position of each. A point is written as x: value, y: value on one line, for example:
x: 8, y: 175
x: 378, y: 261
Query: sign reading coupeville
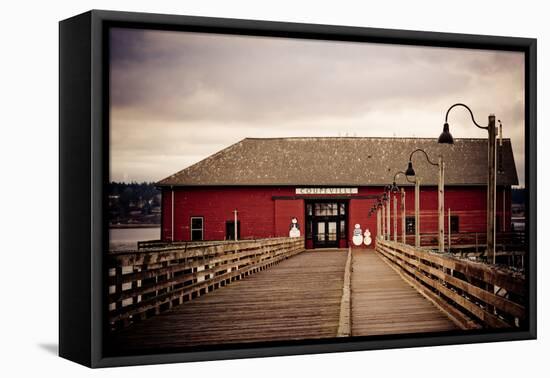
x: 327, y: 190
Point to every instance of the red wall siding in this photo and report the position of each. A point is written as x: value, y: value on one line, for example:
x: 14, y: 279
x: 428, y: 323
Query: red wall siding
x: 284, y: 211
x: 359, y: 214
x: 262, y: 216
x: 255, y: 208
x: 166, y: 218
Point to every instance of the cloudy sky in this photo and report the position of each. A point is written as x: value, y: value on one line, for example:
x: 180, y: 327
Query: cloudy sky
x: 178, y: 97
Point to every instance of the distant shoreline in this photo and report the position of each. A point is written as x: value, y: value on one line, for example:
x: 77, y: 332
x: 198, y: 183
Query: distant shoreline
x: 134, y: 225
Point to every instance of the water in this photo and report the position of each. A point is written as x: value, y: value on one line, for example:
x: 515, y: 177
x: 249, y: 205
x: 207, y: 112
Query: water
x: 127, y: 238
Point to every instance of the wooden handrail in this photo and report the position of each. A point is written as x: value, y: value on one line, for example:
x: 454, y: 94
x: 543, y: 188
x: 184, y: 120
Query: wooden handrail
x: 473, y: 294
x: 151, y: 280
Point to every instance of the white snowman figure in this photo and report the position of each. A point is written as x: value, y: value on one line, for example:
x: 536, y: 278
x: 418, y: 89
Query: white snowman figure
x: 367, y: 239
x: 357, y: 235
x: 294, y: 228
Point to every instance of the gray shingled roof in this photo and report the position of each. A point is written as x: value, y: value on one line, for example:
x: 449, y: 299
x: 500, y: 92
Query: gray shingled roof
x: 342, y: 162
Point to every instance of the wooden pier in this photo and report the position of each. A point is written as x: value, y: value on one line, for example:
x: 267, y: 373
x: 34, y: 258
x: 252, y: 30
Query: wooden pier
x: 274, y: 290
x: 383, y: 303
x: 297, y: 299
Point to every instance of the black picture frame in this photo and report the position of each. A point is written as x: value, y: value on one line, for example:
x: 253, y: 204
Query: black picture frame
x: 83, y: 167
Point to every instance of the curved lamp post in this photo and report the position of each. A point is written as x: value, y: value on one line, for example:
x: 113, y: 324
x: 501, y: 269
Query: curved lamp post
x: 379, y: 223
x: 395, y: 189
x: 387, y: 199
x: 446, y: 137
x: 440, y: 198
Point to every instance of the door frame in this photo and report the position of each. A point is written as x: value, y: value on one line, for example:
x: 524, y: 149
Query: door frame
x: 315, y: 219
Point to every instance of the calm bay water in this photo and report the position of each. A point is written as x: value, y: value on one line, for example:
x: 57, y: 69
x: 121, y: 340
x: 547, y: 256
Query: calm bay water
x: 127, y: 238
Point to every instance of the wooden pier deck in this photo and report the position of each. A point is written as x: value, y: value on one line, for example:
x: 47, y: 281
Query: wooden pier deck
x: 297, y: 299
x: 383, y: 303
x: 300, y: 298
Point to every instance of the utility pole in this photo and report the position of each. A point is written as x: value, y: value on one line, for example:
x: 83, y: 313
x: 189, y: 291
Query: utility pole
x: 491, y: 190
x: 417, y: 212
x: 388, y: 206
x: 449, y: 223
x: 378, y: 224
x: 172, y: 214
x: 403, y: 217
x: 394, y: 218
x: 236, y: 224
x: 383, y: 220
x: 440, y: 204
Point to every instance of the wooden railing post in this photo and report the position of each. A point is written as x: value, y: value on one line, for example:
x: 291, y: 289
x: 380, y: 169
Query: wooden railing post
x: 469, y: 297
x: 150, y: 281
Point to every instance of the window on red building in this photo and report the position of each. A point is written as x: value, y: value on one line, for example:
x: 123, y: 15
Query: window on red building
x: 454, y: 224
x: 410, y: 224
x: 197, y: 228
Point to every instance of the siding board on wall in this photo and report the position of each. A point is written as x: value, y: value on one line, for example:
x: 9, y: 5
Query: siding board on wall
x: 263, y: 213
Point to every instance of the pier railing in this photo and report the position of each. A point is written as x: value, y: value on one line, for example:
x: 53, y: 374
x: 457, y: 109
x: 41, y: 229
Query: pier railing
x: 473, y: 294
x: 506, y: 241
x: 151, y: 280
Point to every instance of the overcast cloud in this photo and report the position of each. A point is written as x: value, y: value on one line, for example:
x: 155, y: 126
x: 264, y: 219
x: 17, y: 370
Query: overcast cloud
x: 177, y: 97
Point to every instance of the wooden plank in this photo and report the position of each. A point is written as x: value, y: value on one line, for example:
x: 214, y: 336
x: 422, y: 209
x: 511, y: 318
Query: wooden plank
x: 215, y: 270
x: 383, y: 303
x: 144, y: 289
x: 500, y: 303
x: 166, y: 254
x: 479, y: 312
x: 159, y: 300
x: 509, y: 280
x: 300, y: 298
x: 461, y: 320
x: 344, y: 324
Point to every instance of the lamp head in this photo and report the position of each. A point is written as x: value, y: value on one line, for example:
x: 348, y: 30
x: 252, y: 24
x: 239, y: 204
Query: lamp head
x: 410, y: 170
x: 445, y: 137
x: 394, y: 187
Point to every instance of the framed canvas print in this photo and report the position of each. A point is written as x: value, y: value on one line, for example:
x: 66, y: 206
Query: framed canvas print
x: 234, y: 188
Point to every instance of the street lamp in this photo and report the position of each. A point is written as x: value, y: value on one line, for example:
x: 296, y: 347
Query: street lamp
x: 395, y: 189
x: 447, y: 138
x: 379, y: 222
x: 387, y: 198
x: 440, y: 198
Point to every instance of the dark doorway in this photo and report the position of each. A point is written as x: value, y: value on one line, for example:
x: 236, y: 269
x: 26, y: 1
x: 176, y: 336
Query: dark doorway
x: 230, y: 230
x: 326, y: 222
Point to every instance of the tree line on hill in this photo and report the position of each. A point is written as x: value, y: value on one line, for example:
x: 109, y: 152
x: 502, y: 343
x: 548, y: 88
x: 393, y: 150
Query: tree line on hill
x: 133, y: 203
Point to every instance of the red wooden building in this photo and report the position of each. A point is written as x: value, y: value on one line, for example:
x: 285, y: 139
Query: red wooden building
x: 329, y: 186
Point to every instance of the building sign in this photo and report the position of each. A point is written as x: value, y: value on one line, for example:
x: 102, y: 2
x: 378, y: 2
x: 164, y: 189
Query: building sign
x: 327, y: 190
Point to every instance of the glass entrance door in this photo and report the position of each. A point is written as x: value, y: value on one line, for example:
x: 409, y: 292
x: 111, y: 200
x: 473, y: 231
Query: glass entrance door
x: 326, y: 234
x: 326, y: 223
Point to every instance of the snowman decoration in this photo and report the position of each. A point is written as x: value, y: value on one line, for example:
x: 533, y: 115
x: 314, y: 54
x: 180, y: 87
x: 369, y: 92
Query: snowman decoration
x: 357, y: 235
x: 367, y: 239
x: 294, y: 228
